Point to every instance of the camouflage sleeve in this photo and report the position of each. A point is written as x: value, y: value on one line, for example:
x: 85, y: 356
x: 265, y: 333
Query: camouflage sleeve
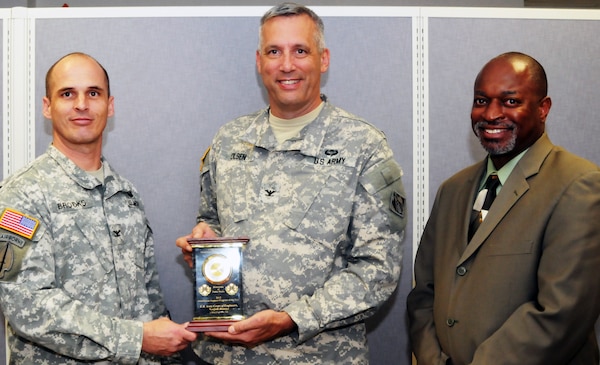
x: 39, y: 311
x: 152, y: 280
x: 156, y: 298
x: 373, y: 259
x: 208, y: 196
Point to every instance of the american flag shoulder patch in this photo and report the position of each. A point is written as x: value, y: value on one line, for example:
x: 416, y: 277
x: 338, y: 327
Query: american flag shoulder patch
x: 18, y: 223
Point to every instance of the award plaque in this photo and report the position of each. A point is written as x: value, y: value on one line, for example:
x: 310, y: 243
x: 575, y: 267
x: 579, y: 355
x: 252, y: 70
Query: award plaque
x: 217, y: 267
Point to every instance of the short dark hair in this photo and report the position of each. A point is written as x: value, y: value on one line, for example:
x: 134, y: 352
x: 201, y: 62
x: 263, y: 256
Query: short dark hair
x: 293, y: 9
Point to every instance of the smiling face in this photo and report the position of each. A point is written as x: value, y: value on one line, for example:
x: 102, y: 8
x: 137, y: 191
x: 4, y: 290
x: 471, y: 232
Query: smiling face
x: 509, y: 110
x: 290, y: 64
x: 78, y: 104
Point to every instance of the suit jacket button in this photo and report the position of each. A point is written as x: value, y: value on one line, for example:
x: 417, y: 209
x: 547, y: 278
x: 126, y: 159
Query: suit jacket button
x: 461, y: 271
x: 451, y: 322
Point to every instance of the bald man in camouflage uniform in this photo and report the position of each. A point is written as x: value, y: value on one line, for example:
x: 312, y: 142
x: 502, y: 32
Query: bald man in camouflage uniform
x: 78, y: 279
x: 320, y: 196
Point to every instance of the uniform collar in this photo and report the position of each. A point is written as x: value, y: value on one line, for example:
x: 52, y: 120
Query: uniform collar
x: 308, y: 143
x: 111, y: 181
x: 77, y: 174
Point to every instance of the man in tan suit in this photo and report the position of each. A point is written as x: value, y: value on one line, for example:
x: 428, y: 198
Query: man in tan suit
x: 524, y: 289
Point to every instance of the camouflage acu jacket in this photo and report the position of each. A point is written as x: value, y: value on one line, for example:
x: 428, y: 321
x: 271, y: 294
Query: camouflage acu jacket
x: 78, y: 289
x: 325, y: 216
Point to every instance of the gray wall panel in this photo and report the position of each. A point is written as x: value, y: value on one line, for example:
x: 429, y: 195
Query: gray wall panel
x: 80, y: 3
x: 371, y: 76
x: 2, y: 72
x: 458, y: 48
x: 176, y: 80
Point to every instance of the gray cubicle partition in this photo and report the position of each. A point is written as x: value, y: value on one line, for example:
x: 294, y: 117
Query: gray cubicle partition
x: 3, y: 16
x: 177, y: 79
x: 458, y: 47
x: 3, y: 23
x: 179, y: 74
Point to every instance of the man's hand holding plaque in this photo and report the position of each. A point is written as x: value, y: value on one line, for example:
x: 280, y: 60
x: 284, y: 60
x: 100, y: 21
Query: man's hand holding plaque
x: 260, y: 327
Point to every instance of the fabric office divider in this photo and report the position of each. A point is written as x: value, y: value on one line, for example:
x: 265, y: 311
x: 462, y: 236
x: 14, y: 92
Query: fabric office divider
x: 178, y: 73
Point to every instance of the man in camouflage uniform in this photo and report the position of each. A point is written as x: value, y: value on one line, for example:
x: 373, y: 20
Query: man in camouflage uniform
x: 317, y: 191
x: 78, y: 279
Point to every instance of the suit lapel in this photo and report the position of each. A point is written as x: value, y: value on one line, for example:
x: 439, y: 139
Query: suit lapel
x: 515, y: 187
x: 467, y: 193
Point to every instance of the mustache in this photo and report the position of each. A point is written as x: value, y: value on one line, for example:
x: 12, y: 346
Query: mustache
x: 493, y: 124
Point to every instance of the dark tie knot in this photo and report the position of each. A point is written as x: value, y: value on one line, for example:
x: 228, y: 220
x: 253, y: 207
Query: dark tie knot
x: 491, y: 184
x: 492, y: 180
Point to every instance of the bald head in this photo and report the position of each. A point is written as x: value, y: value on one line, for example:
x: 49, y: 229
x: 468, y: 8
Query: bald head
x: 50, y: 73
x: 522, y: 63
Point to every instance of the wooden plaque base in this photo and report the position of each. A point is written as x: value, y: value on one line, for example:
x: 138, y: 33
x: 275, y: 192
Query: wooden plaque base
x: 210, y: 326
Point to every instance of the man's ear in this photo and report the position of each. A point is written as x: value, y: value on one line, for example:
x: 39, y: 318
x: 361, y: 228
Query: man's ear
x: 111, y: 106
x: 46, y: 109
x: 258, y: 61
x: 544, y: 108
x: 325, y: 56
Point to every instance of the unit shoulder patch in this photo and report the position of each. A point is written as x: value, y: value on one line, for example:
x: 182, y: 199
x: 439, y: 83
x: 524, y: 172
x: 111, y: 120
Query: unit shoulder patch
x: 397, y: 204
x: 12, y: 251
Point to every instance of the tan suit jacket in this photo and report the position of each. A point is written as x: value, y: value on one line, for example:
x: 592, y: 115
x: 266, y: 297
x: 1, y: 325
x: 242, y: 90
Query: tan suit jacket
x: 526, y: 289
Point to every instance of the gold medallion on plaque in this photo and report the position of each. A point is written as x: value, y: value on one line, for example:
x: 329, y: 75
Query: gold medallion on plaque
x: 217, y: 269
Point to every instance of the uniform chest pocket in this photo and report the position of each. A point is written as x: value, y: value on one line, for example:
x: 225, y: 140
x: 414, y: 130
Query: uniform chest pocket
x: 322, y: 207
x: 84, y: 235
x: 129, y: 234
x: 82, y: 265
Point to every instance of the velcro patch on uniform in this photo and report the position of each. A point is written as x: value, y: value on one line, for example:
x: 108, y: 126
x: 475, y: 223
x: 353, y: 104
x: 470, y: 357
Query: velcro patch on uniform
x: 202, y: 160
x: 19, y: 223
x: 397, y: 204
